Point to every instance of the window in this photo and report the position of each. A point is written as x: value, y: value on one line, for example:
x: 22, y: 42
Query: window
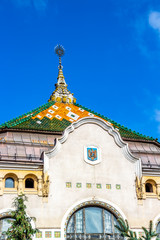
x: 29, y: 183
x: 91, y: 223
x: 149, y: 187
x: 9, y: 182
x: 5, y: 223
x: 158, y: 230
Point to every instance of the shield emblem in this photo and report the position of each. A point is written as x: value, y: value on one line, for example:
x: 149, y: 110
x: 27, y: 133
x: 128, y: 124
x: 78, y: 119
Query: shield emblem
x: 92, y: 154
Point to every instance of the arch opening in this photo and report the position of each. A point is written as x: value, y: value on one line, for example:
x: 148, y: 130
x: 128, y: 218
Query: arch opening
x: 29, y: 183
x: 149, y: 187
x: 5, y: 223
x: 9, y: 183
x: 158, y: 230
x: 92, y: 222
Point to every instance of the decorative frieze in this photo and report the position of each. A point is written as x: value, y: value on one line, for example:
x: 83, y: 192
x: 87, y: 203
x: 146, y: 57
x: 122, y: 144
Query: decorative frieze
x: 108, y: 186
x: 48, y: 234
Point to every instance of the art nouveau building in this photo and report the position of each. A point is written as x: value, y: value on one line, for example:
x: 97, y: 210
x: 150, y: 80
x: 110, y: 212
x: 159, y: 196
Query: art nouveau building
x: 79, y: 169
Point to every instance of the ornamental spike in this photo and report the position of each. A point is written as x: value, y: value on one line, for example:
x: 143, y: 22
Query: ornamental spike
x: 61, y: 93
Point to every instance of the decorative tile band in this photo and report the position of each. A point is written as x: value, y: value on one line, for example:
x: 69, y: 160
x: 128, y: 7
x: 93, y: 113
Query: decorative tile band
x: 68, y: 184
x: 57, y: 234
x: 108, y: 186
x: 118, y: 186
x: 98, y: 185
x: 78, y: 185
x: 48, y: 234
x: 141, y: 234
x: 39, y: 234
x: 88, y: 185
x: 5, y: 214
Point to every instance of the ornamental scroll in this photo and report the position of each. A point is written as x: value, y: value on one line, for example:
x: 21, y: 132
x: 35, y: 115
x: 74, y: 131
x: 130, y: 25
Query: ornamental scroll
x: 139, y: 188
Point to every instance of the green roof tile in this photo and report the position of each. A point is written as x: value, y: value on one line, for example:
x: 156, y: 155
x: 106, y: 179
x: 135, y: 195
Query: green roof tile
x: 26, y: 122
x: 124, y: 131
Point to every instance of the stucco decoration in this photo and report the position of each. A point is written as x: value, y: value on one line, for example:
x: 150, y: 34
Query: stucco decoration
x: 45, y: 190
x: 139, y: 188
x: 89, y: 202
x: 108, y: 128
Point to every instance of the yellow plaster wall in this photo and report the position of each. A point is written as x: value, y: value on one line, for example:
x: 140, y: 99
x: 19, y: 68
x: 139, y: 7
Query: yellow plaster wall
x: 141, y: 189
x: 19, y: 177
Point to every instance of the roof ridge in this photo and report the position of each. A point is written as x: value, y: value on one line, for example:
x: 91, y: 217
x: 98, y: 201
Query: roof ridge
x: 26, y: 116
x: 115, y: 124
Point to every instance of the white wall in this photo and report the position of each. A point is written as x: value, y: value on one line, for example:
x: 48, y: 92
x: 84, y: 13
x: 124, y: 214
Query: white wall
x: 68, y: 165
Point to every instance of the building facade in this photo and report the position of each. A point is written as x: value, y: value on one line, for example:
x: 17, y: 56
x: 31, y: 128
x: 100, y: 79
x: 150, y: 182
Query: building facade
x: 79, y: 169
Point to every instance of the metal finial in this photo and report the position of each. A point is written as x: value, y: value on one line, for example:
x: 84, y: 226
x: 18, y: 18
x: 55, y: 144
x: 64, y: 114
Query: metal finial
x: 59, y: 50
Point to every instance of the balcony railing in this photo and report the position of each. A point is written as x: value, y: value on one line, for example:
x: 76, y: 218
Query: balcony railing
x: 94, y: 236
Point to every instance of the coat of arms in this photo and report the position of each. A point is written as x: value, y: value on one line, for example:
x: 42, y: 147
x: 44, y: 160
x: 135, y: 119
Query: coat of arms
x: 92, y: 154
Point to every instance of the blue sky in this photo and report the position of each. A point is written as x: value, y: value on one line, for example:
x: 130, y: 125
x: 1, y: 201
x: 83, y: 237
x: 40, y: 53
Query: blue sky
x: 111, y: 64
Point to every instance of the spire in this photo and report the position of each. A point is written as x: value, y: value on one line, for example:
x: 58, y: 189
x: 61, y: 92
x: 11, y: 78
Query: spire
x: 61, y: 93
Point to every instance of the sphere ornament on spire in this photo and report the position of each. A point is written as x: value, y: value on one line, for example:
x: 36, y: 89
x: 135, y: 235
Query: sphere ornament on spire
x: 61, y: 93
x: 59, y: 50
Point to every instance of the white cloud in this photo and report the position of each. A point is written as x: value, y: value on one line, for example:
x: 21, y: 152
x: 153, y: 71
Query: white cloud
x: 39, y: 5
x: 154, y: 20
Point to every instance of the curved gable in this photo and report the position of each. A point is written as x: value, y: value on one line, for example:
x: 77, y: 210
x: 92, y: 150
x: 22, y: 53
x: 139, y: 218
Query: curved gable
x: 105, y: 126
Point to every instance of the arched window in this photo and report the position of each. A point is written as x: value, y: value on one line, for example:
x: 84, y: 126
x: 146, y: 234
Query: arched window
x: 29, y: 183
x: 158, y: 230
x: 149, y: 187
x: 91, y: 223
x: 5, y: 223
x: 9, y: 182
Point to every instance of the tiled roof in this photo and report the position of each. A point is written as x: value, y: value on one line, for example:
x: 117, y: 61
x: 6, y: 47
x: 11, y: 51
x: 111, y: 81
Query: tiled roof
x: 55, y: 117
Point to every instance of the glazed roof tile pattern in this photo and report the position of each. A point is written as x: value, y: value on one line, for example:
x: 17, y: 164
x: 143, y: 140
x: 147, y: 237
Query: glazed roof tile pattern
x: 56, y: 117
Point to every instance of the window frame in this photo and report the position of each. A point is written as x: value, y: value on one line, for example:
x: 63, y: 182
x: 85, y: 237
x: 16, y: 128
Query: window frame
x: 33, y: 190
x: 154, y: 187
x: 13, y: 182
x: 32, y: 182
x: 15, y: 178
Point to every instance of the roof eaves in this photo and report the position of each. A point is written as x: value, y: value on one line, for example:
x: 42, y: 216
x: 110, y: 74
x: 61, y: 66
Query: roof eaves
x: 25, y: 117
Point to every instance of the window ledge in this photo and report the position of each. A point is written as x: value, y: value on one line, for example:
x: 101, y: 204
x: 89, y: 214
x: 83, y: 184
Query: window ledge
x: 30, y: 191
x: 10, y: 190
x: 151, y: 195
